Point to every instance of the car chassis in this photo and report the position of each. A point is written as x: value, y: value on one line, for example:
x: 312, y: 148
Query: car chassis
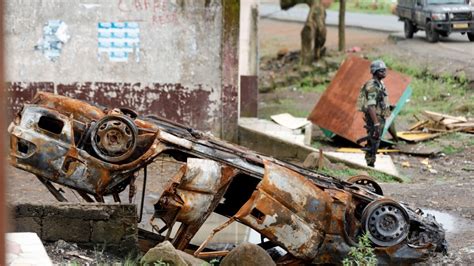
x: 315, y: 217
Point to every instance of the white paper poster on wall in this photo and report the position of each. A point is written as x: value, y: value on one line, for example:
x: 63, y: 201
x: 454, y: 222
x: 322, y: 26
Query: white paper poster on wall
x: 55, y: 35
x: 118, y: 40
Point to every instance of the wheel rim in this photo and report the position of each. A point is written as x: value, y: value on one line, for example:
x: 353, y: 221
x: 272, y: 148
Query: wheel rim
x: 367, y: 182
x: 386, y: 221
x: 113, y: 138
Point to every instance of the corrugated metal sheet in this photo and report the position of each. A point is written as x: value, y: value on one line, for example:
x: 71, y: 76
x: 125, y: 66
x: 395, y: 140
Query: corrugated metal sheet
x: 336, y: 110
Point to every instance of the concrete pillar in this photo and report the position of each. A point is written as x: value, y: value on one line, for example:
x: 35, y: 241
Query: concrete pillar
x: 248, y: 54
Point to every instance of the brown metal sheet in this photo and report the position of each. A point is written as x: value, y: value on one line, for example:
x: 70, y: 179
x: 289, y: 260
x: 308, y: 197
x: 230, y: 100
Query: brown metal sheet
x: 337, y: 111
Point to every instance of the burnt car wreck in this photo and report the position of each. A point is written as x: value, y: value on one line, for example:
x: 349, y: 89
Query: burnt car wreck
x: 316, y: 218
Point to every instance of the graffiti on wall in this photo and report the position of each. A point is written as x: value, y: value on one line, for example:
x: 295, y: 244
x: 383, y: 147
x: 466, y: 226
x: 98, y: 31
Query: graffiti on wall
x: 55, y: 35
x: 118, y: 40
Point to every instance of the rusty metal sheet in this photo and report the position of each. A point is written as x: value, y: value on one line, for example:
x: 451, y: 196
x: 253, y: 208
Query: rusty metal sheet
x: 336, y: 110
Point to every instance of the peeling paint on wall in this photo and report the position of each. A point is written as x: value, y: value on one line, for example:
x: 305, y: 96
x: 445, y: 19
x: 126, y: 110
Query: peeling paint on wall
x: 55, y: 35
x: 118, y: 40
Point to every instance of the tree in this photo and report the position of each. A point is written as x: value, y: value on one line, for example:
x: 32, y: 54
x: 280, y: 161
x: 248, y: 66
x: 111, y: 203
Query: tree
x: 342, y: 25
x: 313, y: 35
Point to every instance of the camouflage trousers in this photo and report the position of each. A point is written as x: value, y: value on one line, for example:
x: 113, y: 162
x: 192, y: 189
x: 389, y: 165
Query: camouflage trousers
x: 373, y: 143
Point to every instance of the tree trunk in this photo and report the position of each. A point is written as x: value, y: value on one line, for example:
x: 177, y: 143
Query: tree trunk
x: 342, y: 25
x: 313, y: 35
x: 307, y: 39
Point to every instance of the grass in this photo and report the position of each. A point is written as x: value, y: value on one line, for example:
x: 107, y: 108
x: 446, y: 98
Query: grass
x: 283, y: 105
x: 348, y: 172
x: 365, y: 6
x: 445, y: 94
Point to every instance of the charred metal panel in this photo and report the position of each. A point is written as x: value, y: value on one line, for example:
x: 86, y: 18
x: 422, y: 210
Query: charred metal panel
x: 248, y: 96
x: 284, y: 197
x: 336, y: 110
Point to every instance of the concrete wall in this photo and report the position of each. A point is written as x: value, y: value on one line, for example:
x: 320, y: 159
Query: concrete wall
x: 182, y: 64
x: 86, y: 224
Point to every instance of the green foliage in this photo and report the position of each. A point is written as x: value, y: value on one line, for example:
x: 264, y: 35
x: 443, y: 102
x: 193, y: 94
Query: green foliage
x: 348, y: 172
x: 362, y: 254
x: 214, y: 262
x: 161, y: 263
x: 345, y: 172
x: 440, y: 93
x: 365, y: 6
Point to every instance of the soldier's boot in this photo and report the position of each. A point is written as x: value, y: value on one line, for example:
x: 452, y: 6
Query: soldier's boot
x: 370, y: 159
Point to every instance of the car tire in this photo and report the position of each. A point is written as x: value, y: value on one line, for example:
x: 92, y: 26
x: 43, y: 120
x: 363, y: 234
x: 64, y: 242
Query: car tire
x: 431, y: 34
x: 470, y: 36
x: 409, y: 29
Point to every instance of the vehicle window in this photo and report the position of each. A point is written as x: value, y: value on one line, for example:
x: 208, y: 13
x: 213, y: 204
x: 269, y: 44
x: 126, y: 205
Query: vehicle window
x: 51, y: 124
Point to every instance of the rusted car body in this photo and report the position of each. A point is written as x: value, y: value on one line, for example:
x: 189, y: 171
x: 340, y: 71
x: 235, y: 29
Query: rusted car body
x: 316, y: 218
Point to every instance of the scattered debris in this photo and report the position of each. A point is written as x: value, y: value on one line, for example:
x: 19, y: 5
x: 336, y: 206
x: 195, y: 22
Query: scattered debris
x: 355, y: 49
x: 436, y: 125
x: 406, y: 164
x: 290, y: 121
x: 357, y: 150
x: 315, y: 217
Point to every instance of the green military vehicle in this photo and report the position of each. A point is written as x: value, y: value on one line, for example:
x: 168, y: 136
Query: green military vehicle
x: 436, y: 17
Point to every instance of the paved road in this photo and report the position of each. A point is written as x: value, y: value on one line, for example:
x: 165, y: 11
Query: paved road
x: 299, y: 13
x: 387, y: 23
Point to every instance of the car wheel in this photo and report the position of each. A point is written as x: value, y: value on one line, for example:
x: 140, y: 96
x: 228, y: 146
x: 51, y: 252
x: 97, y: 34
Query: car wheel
x: 386, y: 222
x: 470, y: 36
x: 409, y: 29
x: 431, y: 34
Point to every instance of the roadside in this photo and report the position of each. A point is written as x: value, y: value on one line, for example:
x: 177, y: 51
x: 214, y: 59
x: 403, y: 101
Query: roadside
x: 453, y: 55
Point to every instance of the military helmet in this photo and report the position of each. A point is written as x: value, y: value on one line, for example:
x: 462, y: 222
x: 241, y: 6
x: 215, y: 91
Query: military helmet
x: 377, y: 65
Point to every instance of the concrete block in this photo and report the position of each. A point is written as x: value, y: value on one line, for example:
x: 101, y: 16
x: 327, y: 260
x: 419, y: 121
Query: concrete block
x: 107, y: 231
x: 28, y: 224
x: 67, y: 229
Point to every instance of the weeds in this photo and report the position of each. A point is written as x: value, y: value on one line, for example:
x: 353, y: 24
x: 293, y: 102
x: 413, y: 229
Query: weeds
x: 362, y: 254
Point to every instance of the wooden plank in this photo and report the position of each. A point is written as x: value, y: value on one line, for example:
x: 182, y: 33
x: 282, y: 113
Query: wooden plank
x: 440, y: 117
x: 418, y: 125
x: 357, y: 150
x: 466, y: 125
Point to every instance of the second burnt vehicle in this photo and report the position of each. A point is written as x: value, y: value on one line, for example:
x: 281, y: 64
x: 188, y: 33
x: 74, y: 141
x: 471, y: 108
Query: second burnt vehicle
x: 436, y: 17
x: 314, y: 217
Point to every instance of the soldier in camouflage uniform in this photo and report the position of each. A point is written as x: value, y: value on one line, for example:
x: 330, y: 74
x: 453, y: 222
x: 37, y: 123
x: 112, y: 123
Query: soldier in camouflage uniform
x: 374, y: 104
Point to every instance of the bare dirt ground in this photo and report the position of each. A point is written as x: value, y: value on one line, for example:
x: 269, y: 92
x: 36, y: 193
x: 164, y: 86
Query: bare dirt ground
x: 446, y: 191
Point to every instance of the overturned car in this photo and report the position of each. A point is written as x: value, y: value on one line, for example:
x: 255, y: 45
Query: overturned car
x: 314, y: 217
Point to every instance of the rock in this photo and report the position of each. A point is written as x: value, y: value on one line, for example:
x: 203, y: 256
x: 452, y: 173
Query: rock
x: 247, y: 254
x: 191, y: 260
x: 312, y: 160
x: 282, y: 52
x: 163, y: 253
x: 62, y: 246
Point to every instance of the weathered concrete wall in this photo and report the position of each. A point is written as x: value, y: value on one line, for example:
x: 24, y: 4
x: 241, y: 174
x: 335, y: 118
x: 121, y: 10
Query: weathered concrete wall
x: 86, y: 224
x: 174, y: 58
